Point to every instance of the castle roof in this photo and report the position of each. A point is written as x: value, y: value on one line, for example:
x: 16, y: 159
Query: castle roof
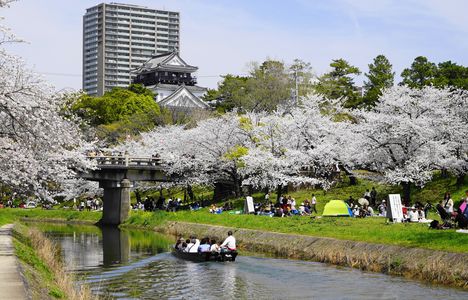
x: 183, y: 98
x: 170, y: 61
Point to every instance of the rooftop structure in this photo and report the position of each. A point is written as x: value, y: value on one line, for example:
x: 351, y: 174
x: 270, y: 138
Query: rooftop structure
x: 172, y: 80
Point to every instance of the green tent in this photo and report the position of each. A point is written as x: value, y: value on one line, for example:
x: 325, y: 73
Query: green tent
x: 337, y: 208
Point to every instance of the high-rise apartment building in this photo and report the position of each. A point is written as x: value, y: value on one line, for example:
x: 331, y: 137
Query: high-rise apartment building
x: 118, y: 38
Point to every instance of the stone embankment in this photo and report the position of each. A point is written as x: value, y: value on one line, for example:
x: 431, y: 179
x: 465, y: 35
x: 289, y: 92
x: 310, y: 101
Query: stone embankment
x: 422, y: 264
x: 12, y: 285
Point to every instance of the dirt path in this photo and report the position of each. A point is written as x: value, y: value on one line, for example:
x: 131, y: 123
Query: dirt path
x: 11, y: 283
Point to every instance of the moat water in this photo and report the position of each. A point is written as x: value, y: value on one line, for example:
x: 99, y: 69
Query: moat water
x: 132, y: 264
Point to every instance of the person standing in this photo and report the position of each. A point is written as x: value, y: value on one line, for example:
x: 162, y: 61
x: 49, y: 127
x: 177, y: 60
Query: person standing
x: 448, y: 203
x: 367, y: 195
x: 373, y: 196
x: 465, y: 211
x: 313, y: 204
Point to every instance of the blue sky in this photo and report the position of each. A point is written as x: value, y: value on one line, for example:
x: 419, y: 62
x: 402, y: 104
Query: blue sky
x: 223, y: 36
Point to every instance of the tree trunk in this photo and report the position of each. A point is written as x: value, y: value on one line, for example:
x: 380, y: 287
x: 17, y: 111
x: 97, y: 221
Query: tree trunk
x: 352, y: 178
x: 279, y: 191
x: 406, y: 193
x: 190, y: 192
x: 138, y: 195
x: 444, y: 173
x: 460, y: 180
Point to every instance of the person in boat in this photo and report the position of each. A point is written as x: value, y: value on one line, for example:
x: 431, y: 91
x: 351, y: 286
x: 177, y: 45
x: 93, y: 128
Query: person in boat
x: 189, y: 245
x: 184, y: 244
x: 229, y: 243
x: 204, y: 245
x: 214, y: 247
x: 193, y: 246
x: 178, y: 243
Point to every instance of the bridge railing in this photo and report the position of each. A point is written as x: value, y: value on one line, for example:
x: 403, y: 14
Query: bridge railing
x: 126, y: 161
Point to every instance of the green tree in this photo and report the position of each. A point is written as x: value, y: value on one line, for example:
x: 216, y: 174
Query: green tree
x: 421, y: 73
x: 451, y: 74
x: 119, y: 112
x: 380, y: 76
x: 232, y: 92
x: 269, y: 85
x: 302, y: 72
x: 339, y: 83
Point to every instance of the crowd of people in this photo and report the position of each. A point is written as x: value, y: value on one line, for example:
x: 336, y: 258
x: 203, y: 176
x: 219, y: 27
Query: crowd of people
x: 89, y: 204
x: 150, y: 204
x: 194, y: 245
x: 450, y: 215
x: 215, y: 209
x: 286, y: 206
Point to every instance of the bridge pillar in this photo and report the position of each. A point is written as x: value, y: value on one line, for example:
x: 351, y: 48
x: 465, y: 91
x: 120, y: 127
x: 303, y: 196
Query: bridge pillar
x: 116, y: 201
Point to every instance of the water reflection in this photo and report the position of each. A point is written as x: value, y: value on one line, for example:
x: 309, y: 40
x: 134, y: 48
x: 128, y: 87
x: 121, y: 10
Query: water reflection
x: 115, y: 245
x: 135, y: 265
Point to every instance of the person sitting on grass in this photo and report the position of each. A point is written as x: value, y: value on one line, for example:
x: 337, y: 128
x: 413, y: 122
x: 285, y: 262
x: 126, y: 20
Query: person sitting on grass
x: 442, y: 212
x: 413, y: 215
x: 421, y: 215
x: 303, y: 210
x: 461, y: 219
x: 383, y: 208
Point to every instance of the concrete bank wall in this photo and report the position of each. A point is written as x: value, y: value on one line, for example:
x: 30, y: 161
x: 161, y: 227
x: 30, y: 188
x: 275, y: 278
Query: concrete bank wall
x: 427, y: 265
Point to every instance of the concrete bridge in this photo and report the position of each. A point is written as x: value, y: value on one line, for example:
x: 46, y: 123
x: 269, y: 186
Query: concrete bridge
x: 115, y: 175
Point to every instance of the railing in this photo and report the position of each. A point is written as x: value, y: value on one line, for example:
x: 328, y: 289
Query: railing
x: 126, y: 161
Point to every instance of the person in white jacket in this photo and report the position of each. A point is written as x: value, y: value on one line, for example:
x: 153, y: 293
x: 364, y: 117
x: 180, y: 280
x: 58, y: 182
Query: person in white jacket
x: 229, y: 243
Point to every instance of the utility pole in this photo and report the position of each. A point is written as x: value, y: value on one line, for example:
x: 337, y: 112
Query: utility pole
x: 296, y: 93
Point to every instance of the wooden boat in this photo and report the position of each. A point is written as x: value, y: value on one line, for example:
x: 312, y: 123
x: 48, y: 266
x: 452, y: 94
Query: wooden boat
x: 206, y: 256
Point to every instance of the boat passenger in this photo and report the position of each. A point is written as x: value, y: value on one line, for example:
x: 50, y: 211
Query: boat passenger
x: 180, y: 244
x: 190, y: 245
x: 194, y: 247
x: 204, y: 245
x: 214, y: 247
x: 229, y: 243
x: 184, y: 244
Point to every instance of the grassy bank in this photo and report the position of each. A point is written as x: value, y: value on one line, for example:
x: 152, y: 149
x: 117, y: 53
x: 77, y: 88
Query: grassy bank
x: 372, y: 230
x: 42, y: 267
x: 11, y: 215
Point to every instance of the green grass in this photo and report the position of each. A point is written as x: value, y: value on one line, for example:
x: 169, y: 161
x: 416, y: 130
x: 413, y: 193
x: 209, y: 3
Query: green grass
x: 373, y: 230
x: 9, y: 215
x: 39, y: 276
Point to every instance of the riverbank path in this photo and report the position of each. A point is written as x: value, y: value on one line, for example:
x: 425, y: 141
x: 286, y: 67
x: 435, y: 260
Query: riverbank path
x: 11, y: 283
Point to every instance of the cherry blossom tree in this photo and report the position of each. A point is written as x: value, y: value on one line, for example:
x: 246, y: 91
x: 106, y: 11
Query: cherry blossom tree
x: 400, y: 136
x: 205, y: 154
x: 298, y: 145
x: 454, y: 134
x: 39, y: 148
